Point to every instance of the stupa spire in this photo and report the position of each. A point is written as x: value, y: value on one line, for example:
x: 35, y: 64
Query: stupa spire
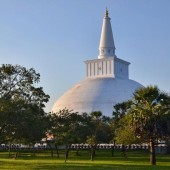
x: 106, y: 46
x: 107, y: 13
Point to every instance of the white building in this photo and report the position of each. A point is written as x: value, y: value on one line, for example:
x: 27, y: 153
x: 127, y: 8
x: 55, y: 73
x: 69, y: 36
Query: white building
x: 107, y: 80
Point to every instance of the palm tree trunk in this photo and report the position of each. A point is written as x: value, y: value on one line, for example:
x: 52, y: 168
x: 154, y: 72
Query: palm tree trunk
x: 152, y: 152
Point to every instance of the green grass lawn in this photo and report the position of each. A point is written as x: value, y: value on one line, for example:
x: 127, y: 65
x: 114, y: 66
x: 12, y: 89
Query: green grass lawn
x: 103, y: 161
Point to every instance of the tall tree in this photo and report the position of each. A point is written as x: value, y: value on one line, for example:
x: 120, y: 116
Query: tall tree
x: 21, y: 104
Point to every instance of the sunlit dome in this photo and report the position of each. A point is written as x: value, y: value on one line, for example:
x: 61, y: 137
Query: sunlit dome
x: 107, y: 80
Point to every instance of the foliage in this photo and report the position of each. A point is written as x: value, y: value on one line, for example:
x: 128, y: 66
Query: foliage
x: 66, y: 126
x: 150, y: 112
x: 69, y: 127
x: 120, y: 110
x: 100, y: 131
x: 99, y: 127
x: 21, y: 105
x: 125, y: 133
x: 120, y: 123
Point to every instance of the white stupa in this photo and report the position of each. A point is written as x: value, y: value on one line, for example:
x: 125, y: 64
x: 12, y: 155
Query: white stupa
x: 107, y: 80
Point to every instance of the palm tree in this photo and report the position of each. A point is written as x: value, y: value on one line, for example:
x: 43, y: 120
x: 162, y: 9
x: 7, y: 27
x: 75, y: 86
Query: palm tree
x: 149, y: 110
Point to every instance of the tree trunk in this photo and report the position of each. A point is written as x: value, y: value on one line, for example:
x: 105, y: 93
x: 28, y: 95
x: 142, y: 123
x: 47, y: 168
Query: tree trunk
x: 112, y: 149
x: 51, y: 149
x: 66, y: 153
x: 152, y: 152
x: 168, y: 146
x: 34, y: 151
x: 77, y: 151
x: 92, y: 153
x: 16, y: 155
x: 57, y: 150
x: 124, y: 151
x: 52, y: 153
x: 9, y: 150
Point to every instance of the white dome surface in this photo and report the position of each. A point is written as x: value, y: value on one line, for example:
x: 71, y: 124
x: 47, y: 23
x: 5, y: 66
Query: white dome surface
x: 96, y: 94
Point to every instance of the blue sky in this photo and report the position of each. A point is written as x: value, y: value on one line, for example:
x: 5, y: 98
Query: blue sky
x: 56, y: 36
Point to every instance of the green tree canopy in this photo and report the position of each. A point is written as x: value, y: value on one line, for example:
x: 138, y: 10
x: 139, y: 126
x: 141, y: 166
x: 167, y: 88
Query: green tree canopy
x: 67, y: 128
x: 21, y: 104
x: 124, y: 134
x: 150, y: 112
x: 99, y: 131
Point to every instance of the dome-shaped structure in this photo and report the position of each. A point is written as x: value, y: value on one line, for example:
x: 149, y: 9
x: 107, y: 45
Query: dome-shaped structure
x: 107, y: 80
x: 94, y: 94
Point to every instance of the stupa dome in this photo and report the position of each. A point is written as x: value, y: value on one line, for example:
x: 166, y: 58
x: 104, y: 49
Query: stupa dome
x: 97, y: 94
x: 107, y: 80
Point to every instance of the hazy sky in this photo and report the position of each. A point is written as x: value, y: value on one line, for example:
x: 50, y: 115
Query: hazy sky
x: 55, y: 37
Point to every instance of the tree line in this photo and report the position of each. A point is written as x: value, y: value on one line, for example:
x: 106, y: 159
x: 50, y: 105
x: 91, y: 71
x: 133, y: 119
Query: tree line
x: 143, y: 119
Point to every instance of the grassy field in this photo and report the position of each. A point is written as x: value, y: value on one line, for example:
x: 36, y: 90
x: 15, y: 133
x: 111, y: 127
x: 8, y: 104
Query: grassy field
x: 103, y: 161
